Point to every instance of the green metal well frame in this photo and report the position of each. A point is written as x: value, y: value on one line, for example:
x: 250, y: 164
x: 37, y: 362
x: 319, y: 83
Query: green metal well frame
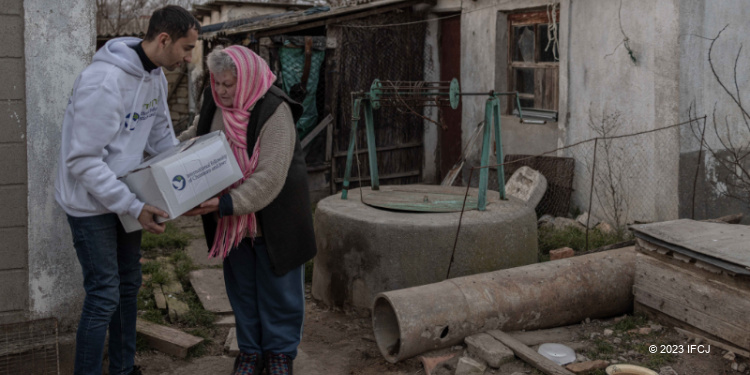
x: 426, y: 94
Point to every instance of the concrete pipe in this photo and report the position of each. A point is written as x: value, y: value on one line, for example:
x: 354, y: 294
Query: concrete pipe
x: 411, y: 321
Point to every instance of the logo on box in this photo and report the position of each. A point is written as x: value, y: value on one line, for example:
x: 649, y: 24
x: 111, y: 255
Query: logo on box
x: 178, y: 182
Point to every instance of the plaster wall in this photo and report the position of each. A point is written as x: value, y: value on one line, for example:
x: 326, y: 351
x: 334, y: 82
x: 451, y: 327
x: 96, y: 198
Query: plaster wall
x: 700, y: 91
x: 606, y: 87
x: 59, y: 43
x: 483, y: 49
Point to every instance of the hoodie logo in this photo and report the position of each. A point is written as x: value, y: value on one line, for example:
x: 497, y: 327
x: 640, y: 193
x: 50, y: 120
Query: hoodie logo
x: 178, y: 182
x: 136, y: 116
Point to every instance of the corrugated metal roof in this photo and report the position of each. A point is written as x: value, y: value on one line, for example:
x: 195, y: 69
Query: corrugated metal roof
x: 285, y: 19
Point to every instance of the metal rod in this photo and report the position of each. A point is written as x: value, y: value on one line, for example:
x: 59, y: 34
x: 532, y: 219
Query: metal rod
x: 350, y: 153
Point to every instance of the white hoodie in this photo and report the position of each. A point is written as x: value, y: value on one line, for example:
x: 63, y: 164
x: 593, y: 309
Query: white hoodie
x: 117, y: 111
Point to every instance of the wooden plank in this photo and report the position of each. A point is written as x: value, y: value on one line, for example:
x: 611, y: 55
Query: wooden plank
x: 712, y: 297
x: 530, y: 356
x: 167, y: 340
x: 333, y: 69
x: 669, y: 306
x: 693, y: 335
x: 319, y: 128
x: 722, y: 241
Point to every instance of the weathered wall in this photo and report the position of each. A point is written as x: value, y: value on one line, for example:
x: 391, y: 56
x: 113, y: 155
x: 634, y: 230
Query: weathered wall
x: 431, y: 148
x: 603, y: 81
x: 13, y: 190
x: 699, y: 89
x: 60, y: 39
x: 483, y: 67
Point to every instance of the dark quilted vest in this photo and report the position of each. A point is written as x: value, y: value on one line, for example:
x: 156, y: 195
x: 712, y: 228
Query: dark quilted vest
x: 286, y: 223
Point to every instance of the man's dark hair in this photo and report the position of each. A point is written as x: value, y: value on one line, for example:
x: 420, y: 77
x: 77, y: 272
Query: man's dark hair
x: 173, y: 20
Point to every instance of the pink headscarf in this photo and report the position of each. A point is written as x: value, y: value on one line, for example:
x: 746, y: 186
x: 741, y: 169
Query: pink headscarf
x: 254, y: 78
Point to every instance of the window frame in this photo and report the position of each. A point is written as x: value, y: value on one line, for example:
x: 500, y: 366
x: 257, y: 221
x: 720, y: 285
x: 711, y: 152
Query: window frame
x: 546, y: 74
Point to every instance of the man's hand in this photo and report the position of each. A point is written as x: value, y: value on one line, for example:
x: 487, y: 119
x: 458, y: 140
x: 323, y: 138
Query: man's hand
x: 211, y: 205
x: 147, y: 218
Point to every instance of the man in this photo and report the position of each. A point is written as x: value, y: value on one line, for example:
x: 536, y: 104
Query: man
x: 118, y: 110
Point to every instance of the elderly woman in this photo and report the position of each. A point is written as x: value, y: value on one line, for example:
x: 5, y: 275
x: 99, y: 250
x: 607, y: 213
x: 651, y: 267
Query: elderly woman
x: 261, y: 225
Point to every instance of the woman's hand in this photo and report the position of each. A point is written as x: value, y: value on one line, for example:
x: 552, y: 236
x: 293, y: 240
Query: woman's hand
x: 211, y: 205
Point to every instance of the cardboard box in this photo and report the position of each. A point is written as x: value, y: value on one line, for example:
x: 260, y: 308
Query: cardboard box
x: 183, y: 177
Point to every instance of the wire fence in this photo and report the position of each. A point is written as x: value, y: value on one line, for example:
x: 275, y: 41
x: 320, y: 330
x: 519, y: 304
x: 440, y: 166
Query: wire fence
x: 601, y: 185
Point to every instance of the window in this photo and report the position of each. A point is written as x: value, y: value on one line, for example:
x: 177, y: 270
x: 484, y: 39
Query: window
x: 532, y: 64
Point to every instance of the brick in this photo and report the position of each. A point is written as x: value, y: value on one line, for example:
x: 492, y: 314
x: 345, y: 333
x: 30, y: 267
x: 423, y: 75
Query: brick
x: 11, y: 36
x: 13, y: 202
x: 14, y: 78
x: 13, y: 167
x: 13, y: 121
x: 562, y: 253
x: 14, y: 248
x: 488, y: 349
x: 14, y: 292
x: 11, y: 7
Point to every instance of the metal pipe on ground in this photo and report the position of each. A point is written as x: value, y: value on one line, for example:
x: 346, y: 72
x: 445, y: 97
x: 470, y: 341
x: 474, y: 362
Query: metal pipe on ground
x: 415, y: 320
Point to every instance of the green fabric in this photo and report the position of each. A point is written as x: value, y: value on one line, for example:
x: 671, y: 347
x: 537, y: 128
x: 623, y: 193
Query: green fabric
x: 292, y: 65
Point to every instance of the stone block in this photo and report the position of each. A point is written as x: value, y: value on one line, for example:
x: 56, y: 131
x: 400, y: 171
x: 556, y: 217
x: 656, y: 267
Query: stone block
x: 488, y: 349
x: 469, y: 366
x: 176, y: 308
x: 562, y: 253
x: 15, y: 249
x: 161, y: 301
x: 172, y: 287
x: 227, y: 320
x: 14, y: 292
x: 13, y: 202
x: 13, y: 167
x: 586, y: 367
x: 13, y: 121
x: 11, y: 6
x: 14, y: 82
x: 583, y: 219
x: 11, y: 35
x: 562, y: 223
x: 209, y: 286
x: 527, y: 185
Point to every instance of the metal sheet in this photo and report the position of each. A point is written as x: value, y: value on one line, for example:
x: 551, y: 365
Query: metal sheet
x: 728, y: 242
x: 418, y: 201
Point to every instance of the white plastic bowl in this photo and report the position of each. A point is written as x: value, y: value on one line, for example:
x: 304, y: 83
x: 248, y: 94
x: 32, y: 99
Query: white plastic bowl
x: 558, y: 353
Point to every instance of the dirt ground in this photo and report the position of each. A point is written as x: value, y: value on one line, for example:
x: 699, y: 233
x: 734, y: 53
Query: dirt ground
x: 337, y: 342
x: 342, y: 343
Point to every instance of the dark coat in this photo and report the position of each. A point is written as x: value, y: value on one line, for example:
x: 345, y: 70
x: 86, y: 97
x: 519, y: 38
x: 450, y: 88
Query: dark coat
x: 286, y: 223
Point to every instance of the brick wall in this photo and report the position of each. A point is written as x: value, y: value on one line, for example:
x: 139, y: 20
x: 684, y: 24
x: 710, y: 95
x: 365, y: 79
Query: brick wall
x: 13, y: 173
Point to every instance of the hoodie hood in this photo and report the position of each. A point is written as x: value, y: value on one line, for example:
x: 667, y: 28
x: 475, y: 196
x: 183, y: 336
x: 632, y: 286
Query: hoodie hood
x: 118, y: 52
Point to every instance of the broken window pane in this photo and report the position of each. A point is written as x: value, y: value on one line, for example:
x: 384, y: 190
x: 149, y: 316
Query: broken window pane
x: 524, y: 43
x: 525, y: 81
x: 546, y: 54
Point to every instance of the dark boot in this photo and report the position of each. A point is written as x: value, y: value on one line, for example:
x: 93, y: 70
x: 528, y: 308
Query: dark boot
x: 248, y: 364
x: 278, y: 364
x: 136, y: 371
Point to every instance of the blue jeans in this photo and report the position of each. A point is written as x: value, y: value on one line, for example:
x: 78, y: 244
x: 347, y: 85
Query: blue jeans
x: 269, y: 310
x: 110, y: 260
